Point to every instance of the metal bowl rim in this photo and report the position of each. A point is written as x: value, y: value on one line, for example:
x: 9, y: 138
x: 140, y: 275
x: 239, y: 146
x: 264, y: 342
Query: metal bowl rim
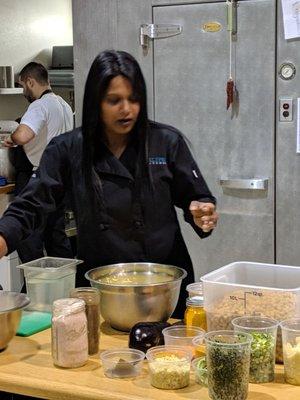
x: 25, y: 301
x: 184, y: 274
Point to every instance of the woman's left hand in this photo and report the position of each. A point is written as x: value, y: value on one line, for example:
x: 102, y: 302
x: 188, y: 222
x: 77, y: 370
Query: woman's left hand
x: 204, y: 214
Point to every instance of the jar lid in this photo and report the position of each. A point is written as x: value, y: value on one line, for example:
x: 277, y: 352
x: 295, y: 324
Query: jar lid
x: 90, y: 295
x: 195, y: 301
x: 68, y: 306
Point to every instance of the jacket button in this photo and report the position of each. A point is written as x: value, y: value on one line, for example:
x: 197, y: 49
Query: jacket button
x: 103, y: 227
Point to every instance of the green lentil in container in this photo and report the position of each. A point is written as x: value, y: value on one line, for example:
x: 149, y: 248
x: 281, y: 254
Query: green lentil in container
x: 262, y: 362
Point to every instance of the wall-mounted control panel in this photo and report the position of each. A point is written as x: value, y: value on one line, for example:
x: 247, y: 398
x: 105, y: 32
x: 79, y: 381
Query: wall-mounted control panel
x: 286, y: 109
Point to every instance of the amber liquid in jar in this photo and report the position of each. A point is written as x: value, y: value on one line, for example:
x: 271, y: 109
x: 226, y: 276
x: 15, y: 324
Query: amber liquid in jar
x: 195, y: 314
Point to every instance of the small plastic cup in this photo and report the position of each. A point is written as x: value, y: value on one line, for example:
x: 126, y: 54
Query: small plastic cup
x: 183, y: 336
x: 169, y: 367
x: 263, y: 347
x: 228, y: 363
x: 291, y: 350
x: 195, y: 289
x: 122, y: 362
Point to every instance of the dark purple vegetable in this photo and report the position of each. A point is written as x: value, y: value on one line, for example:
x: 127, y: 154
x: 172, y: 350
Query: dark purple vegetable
x: 145, y: 335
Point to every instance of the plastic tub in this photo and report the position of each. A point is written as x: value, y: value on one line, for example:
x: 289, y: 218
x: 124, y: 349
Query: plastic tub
x: 264, y: 332
x: 291, y: 350
x: 169, y: 367
x: 183, y: 336
x: 247, y: 288
x: 48, y: 279
x: 122, y: 362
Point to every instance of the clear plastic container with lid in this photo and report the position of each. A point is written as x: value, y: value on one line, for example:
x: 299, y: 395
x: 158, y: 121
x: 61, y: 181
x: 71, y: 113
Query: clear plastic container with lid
x: 195, y: 314
x: 69, y: 333
x: 91, y: 296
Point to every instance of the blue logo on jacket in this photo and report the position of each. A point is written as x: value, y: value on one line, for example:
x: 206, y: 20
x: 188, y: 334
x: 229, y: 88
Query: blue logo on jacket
x: 157, y: 161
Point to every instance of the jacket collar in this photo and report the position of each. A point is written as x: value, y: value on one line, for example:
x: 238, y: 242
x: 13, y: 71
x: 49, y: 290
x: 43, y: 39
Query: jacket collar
x: 109, y: 164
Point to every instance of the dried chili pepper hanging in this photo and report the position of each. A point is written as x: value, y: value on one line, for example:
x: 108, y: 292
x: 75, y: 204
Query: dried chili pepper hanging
x: 230, y: 92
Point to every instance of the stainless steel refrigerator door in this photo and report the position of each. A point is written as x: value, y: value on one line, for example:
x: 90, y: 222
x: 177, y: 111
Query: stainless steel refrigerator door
x: 287, y: 160
x: 190, y: 75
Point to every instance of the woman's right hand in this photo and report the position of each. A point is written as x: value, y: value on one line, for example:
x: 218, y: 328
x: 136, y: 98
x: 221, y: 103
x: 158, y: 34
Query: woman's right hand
x: 3, y: 247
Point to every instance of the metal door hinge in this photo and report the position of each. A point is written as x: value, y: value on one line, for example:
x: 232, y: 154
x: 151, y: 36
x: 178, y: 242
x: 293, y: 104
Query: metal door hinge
x: 157, y: 31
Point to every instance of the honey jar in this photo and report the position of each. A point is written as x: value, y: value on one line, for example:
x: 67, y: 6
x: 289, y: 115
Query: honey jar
x: 195, y: 314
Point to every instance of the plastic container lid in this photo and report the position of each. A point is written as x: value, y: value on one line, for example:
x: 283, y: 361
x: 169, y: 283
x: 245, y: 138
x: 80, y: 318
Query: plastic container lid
x: 68, y: 306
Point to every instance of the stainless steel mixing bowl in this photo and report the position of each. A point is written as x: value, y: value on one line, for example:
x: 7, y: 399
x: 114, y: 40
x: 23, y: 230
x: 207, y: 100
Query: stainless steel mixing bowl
x: 11, y: 305
x: 152, y: 298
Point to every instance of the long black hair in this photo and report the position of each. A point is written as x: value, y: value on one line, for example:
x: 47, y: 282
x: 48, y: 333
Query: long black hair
x: 106, y: 66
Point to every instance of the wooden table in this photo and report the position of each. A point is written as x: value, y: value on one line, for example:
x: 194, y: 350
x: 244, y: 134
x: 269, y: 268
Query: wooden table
x: 7, y: 188
x: 26, y: 368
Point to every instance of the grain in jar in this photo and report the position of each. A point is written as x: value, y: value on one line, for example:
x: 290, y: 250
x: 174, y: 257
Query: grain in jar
x: 91, y: 297
x: 69, y: 333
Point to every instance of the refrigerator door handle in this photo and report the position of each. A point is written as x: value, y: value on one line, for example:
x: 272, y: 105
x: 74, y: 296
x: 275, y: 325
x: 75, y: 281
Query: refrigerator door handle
x: 252, y: 183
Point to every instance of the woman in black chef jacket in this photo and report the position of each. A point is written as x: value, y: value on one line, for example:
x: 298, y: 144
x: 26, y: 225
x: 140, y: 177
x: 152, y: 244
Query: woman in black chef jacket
x: 124, y: 175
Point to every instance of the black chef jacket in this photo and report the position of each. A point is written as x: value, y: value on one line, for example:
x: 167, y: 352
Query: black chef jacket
x: 135, y: 223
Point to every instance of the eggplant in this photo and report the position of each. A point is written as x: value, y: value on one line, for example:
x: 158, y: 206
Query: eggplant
x: 145, y: 335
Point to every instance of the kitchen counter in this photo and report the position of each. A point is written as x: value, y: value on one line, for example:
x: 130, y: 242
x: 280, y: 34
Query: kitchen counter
x: 7, y: 188
x: 26, y: 368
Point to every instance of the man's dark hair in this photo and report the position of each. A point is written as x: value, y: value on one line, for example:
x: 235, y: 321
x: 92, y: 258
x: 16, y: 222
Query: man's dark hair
x: 36, y: 71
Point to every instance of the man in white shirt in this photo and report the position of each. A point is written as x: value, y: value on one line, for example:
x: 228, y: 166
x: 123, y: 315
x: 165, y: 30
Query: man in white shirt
x: 47, y: 116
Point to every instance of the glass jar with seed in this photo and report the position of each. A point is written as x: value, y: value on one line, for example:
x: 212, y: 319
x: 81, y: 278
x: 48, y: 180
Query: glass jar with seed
x: 264, y: 332
x: 228, y: 362
x: 91, y: 296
